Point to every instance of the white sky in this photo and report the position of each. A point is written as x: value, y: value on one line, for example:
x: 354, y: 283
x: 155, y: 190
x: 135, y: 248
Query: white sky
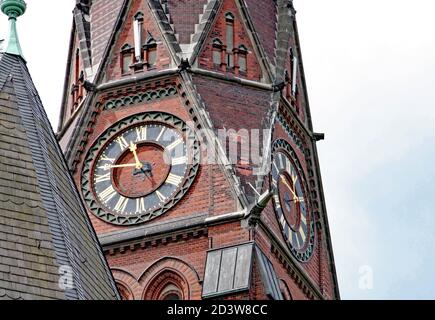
x: 370, y: 69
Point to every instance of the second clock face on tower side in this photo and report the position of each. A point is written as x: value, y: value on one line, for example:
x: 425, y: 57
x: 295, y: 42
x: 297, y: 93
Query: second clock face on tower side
x: 140, y: 168
x: 291, y: 202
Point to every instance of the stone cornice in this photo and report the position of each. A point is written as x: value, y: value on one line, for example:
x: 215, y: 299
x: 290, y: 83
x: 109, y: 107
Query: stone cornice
x: 164, y: 232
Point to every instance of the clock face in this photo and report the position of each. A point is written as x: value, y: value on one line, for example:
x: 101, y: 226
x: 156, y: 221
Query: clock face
x: 291, y: 202
x: 139, y: 169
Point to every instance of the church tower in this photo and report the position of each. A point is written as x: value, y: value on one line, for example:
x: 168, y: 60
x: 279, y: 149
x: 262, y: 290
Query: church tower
x: 187, y: 128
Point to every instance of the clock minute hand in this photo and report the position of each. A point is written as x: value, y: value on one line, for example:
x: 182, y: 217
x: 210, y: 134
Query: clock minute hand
x: 129, y: 165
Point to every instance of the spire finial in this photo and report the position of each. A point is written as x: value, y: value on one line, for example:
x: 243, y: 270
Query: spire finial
x: 13, y: 9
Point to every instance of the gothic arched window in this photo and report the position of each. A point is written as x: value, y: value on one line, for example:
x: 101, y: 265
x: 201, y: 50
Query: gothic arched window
x: 127, y: 53
x: 150, y: 49
x: 167, y: 285
x: 285, y: 291
x: 124, y: 292
x: 217, y: 52
x: 242, y: 63
x: 171, y: 292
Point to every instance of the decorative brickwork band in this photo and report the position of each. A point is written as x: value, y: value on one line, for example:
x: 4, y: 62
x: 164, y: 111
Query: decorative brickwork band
x: 146, y: 97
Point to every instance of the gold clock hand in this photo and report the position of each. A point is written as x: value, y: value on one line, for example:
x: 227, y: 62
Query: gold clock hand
x: 295, y: 180
x: 133, y: 149
x: 109, y: 166
x: 288, y: 186
x: 296, y: 198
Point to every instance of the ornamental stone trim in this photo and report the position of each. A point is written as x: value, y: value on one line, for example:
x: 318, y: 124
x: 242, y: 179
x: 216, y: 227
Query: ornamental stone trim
x: 291, y: 133
x: 146, y: 97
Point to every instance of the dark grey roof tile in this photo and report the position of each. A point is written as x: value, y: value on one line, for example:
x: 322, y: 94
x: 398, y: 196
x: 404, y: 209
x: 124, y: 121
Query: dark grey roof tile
x: 43, y: 224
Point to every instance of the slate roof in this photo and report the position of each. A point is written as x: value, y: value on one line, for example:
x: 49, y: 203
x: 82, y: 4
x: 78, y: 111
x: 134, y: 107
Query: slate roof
x: 104, y: 14
x: 43, y: 223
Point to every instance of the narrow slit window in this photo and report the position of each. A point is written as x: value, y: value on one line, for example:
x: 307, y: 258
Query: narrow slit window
x: 230, y: 39
x: 138, y: 26
x: 243, y: 53
x: 127, y: 53
x: 77, y: 67
x: 152, y: 56
x: 126, y: 62
x: 151, y: 51
x: 294, y: 72
x: 217, y: 52
x: 295, y: 77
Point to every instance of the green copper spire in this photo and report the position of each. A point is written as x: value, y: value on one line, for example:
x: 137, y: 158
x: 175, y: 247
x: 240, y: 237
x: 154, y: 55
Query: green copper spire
x: 13, y: 9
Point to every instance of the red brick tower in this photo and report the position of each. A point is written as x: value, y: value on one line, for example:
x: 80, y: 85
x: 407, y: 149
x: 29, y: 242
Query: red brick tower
x: 187, y: 127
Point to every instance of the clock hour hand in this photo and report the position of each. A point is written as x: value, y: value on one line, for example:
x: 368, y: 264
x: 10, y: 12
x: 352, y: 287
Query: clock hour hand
x: 133, y: 149
x: 288, y: 186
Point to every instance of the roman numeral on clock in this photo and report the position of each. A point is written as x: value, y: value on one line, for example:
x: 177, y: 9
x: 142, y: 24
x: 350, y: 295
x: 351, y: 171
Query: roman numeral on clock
x: 122, y: 204
x: 107, y: 194
x: 282, y: 220
x: 161, y: 197
x: 277, y: 201
x: 174, y: 179
x: 102, y: 178
x: 276, y: 167
x: 281, y: 161
x: 161, y: 134
x: 140, y: 205
x: 288, y: 166
x: 174, y: 144
x: 294, y: 176
x: 274, y: 183
x: 106, y: 158
x: 178, y: 161
x: 123, y: 144
x: 141, y: 134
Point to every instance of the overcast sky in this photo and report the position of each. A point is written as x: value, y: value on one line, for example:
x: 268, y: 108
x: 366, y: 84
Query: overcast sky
x: 370, y: 69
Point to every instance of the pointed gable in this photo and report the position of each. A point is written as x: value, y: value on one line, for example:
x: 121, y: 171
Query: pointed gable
x: 124, y: 57
x: 228, y: 47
